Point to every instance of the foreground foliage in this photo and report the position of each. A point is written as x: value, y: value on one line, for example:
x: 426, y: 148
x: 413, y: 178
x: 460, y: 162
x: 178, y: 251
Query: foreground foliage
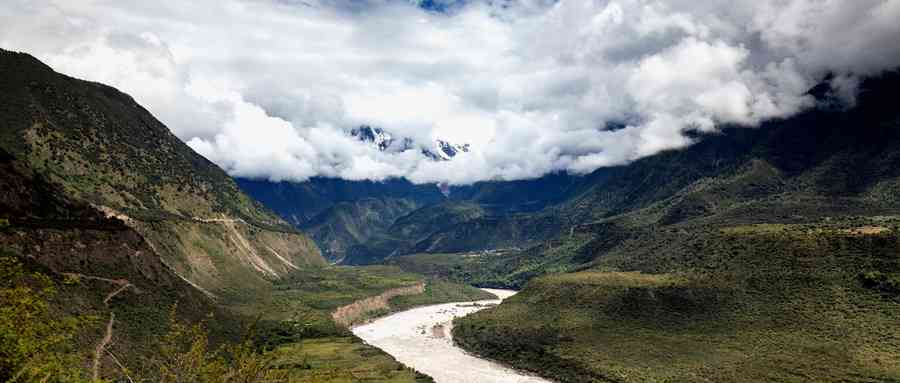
x: 37, y: 346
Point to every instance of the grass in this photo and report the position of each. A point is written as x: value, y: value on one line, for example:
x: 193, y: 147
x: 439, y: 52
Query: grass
x: 753, y: 303
x: 499, y: 269
x: 438, y: 291
x: 297, y: 323
x: 307, y: 297
x: 342, y: 360
x: 305, y: 342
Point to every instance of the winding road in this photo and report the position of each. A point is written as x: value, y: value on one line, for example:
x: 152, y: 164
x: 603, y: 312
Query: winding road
x: 420, y: 338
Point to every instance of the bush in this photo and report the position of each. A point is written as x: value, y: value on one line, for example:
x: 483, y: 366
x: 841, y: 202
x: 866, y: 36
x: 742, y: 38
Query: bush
x: 184, y: 355
x: 37, y: 345
x: 884, y: 282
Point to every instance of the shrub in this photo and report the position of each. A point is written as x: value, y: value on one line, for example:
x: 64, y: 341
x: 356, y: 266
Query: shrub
x: 884, y: 282
x: 37, y: 345
x: 184, y: 355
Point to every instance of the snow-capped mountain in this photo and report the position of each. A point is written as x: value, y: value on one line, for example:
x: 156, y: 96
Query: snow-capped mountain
x: 444, y: 150
x: 440, y: 150
x: 377, y: 136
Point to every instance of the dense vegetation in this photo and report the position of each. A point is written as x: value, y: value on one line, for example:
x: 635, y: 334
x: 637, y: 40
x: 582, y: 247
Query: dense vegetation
x: 41, y: 339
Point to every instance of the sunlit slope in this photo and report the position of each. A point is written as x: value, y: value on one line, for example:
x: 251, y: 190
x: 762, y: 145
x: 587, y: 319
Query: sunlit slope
x: 104, y: 149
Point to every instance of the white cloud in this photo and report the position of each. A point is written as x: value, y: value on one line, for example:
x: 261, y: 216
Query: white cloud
x: 268, y: 88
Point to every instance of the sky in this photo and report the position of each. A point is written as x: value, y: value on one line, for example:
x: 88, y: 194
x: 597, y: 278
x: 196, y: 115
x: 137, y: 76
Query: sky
x: 270, y: 89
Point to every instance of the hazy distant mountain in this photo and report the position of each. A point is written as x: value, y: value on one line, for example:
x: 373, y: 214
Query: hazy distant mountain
x: 352, y: 220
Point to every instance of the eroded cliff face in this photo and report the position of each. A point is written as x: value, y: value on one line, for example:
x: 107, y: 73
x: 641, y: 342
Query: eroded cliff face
x: 221, y: 254
x: 358, y: 311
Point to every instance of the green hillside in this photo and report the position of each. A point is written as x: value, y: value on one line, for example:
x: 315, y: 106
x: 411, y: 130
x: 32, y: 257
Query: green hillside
x: 125, y: 256
x: 103, y: 149
x: 348, y: 228
x: 748, y: 303
x: 765, y: 254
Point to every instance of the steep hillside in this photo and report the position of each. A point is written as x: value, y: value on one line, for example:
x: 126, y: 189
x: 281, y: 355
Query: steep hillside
x: 452, y: 227
x: 763, y: 254
x: 126, y: 256
x: 814, y: 159
x: 347, y: 219
x: 115, y: 296
x: 525, y: 195
x: 402, y: 234
x: 103, y: 149
x: 102, y: 268
x: 347, y: 227
x: 362, y: 222
x: 299, y: 203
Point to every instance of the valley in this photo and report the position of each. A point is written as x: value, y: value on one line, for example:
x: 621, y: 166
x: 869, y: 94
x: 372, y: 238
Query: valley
x: 764, y: 254
x: 126, y: 255
x: 421, y: 338
x: 739, y: 253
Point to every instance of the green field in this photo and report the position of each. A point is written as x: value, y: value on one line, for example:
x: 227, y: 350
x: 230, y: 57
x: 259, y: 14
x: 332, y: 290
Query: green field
x: 342, y: 360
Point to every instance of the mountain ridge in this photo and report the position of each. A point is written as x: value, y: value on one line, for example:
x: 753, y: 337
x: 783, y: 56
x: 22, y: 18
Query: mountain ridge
x: 753, y: 255
x: 104, y: 149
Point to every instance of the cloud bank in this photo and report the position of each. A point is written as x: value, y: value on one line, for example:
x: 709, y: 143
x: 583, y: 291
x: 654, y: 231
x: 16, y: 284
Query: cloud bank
x: 270, y: 88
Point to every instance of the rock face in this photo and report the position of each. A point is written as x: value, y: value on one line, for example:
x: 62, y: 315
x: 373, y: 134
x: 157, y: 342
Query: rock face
x: 354, y: 312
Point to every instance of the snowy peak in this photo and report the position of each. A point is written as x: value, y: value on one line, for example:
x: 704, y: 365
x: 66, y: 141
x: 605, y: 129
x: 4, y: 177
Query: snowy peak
x: 445, y: 151
x: 449, y: 150
x: 376, y: 136
x: 440, y: 150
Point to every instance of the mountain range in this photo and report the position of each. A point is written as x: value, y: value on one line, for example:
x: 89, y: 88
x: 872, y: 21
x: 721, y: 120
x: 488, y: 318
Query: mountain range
x: 440, y: 150
x: 769, y: 251
x: 755, y: 254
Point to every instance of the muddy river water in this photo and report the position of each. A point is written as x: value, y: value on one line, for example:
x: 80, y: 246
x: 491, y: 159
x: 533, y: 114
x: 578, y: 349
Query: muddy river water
x: 420, y: 338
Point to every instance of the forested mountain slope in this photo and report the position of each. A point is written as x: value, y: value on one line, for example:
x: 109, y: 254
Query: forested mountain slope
x: 362, y: 222
x: 756, y: 254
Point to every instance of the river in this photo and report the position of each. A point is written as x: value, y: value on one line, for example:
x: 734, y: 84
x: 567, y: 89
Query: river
x: 420, y: 338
